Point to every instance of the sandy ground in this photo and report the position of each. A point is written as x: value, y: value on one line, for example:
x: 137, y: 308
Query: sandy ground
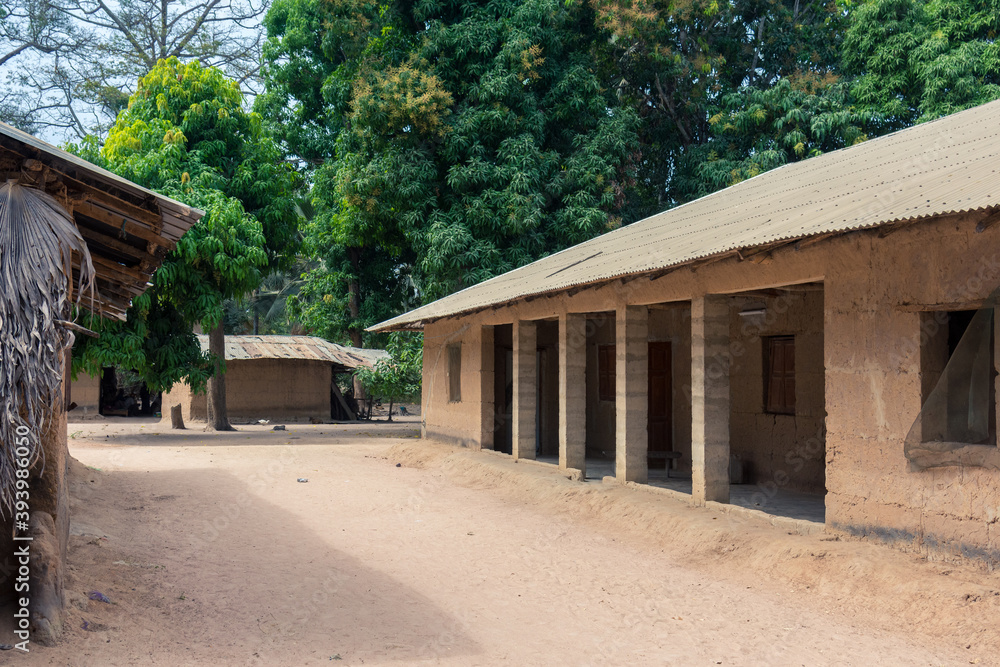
x: 213, y: 554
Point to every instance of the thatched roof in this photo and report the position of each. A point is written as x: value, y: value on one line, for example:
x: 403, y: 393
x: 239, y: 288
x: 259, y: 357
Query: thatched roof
x: 128, y: 229
x: 66, y: 226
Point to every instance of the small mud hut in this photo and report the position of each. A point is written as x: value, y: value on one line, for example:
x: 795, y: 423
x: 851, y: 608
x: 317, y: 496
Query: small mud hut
x: 282, y: 378
x: 70, y: 232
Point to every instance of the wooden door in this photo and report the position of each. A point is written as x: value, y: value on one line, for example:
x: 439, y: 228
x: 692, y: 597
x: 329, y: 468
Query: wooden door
x: 660, y: 402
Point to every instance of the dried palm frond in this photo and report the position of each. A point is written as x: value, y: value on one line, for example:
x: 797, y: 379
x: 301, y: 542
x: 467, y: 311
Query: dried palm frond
x: 37, y: 239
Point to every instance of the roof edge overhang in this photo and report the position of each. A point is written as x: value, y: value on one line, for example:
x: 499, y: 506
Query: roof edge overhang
x: 406, y: 321
x: 47, y: 153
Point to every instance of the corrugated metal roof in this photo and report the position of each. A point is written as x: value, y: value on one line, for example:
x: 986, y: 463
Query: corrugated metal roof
x: 296, y: 347
x: 945, y: 166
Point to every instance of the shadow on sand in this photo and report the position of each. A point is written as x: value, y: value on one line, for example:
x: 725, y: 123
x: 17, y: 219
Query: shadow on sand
x: 202, y: 571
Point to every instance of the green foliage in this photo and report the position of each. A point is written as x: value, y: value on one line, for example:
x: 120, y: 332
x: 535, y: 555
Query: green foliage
x: 186, y: 131
x: 759, y: 129
x: 916, y: 60
x: 186, y: 134
x: 397, y: 377
x: 155, y: 340
x: 265, y: 310
x: 537, y: 153
x: 674, y: 61
x: 448, y: 141
x: 322, y: 304
x: 460, y: 140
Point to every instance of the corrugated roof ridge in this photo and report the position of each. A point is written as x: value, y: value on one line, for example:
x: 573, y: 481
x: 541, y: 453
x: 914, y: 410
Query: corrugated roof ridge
x: 817, y: 164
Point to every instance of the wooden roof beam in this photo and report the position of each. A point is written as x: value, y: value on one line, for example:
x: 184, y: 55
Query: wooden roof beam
x: 123, y: 223
x: 113, y: 267
x: 139, y: 254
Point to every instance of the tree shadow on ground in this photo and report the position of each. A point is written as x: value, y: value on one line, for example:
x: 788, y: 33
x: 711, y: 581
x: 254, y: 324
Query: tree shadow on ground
x: 202, y: 571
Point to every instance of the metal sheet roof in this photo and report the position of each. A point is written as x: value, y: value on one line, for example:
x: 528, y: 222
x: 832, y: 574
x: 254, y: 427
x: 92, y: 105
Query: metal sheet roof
x: 128, y: 229
x: 308, y: 348
x: 945, y: 166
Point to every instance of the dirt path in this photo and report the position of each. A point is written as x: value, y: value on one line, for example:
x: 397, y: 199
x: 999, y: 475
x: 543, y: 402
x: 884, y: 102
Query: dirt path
x: 213, y: 554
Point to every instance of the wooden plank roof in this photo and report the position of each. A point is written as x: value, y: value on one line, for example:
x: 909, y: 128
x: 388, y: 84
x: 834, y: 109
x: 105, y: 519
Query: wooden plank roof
x: 128, y: 229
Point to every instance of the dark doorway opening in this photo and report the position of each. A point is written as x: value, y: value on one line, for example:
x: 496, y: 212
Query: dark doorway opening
x: 661, y: 428
x: 503, y: 387
x: 123, y: 394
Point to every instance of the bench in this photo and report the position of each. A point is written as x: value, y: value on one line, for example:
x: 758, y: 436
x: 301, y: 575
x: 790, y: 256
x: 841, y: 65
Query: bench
x: 666, y: 457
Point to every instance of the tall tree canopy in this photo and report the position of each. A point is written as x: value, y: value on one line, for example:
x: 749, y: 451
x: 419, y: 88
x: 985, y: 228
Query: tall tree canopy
x: 916, y: 60
x: 455, y: 141
x: 760, y: 128
x: 187, y: 135
x: 447, y: 141
x: 681, y: 63
x: 72, y: 63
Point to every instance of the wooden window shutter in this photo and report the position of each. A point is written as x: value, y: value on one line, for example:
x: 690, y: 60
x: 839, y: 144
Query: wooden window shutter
x: 779, y: 378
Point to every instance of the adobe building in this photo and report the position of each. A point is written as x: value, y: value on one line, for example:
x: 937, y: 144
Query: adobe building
x: 128, y: 231
x: 86, y: 393
x: 279, y: 378
x: 822, y: 332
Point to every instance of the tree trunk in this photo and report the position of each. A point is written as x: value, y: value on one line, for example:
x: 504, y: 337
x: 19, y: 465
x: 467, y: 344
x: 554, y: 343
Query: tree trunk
x: 218, y: 417
x: 256, y: 313
x: 176, y: 418
x: 390, y: 409
x: 354, y: 308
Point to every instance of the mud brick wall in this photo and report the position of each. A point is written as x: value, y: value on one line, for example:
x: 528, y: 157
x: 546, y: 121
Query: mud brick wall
x: 861, y: 334
x: 276, y: 389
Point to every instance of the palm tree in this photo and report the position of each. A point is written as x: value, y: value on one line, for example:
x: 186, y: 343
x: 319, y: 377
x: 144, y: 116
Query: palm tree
x: 263, y: 310
x: 37, y: 242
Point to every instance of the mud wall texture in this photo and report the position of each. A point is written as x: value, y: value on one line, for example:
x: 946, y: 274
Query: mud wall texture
x: 467, y: 421
x: 274, y: 389
x: 855, y: 304
x: 874, y: 387
x: 776, y: 449
x: 85, y: 391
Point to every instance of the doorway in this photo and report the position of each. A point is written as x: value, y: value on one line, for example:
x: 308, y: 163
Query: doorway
x: 661, y: 428
x: 503, y: 387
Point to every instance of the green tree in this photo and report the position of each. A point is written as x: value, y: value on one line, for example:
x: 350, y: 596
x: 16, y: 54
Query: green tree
x: 676, y: 61
x: 265, y: 309
x: 758, y: 129
x: 396, y: 377
x: 458, y: 140
x: 187, y: 134
x: 916, y: 60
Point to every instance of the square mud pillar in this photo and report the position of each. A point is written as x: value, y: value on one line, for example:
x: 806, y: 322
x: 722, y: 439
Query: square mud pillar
x: 525, y: 406
x: 573, y: 391
x: 710, y: 399
x: 487, y: 404
x: 631, y: 387
x: 996, y: 355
